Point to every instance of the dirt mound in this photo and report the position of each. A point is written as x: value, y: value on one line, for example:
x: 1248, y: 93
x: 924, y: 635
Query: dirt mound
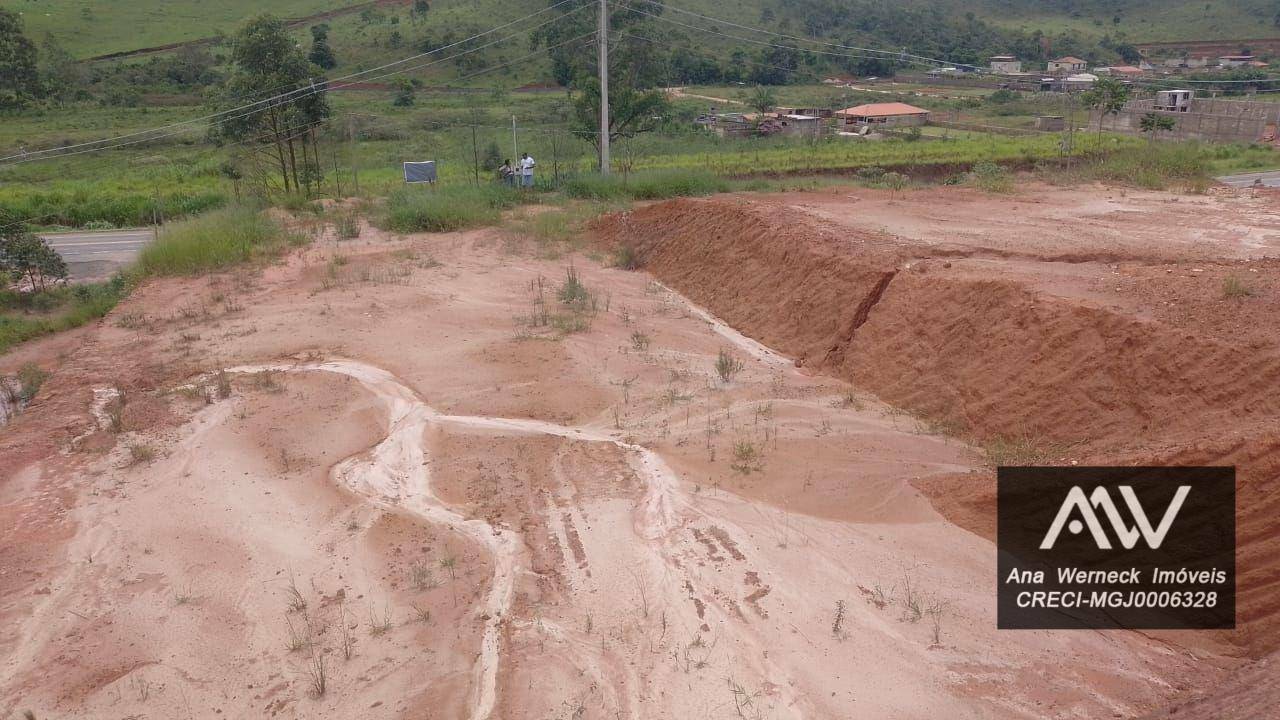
x: 993, y: 350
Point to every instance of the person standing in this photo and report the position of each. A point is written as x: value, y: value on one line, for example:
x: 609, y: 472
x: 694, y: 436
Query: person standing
x: 507, y: 173
x: 526, y: 170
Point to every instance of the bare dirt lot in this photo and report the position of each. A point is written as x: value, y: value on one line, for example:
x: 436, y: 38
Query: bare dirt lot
x: 404, y: 478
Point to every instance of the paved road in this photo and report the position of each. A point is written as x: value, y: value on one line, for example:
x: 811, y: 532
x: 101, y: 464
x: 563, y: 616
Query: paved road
x: 92, y: 255
x: 1269, y: 179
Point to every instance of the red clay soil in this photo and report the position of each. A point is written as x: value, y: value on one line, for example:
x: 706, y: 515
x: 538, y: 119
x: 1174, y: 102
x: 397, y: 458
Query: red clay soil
x: 1051, y: 354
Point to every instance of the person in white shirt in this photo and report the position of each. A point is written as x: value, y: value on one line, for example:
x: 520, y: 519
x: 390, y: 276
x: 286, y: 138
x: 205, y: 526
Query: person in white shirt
x: 526, y: 165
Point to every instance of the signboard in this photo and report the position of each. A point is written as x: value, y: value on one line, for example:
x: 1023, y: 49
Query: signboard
x: 420, y: 172
x: 1116, y: 547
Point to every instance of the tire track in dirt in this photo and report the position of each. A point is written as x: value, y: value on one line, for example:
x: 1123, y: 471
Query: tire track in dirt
x: 395, y: 473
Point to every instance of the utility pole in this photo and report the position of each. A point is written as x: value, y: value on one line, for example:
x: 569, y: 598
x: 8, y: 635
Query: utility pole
x: 351, y: 149
x: 515, y: 151
x: 603, y: 34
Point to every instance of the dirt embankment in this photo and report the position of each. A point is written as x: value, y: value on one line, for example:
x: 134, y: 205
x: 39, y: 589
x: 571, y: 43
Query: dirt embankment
x: 1043, y: 358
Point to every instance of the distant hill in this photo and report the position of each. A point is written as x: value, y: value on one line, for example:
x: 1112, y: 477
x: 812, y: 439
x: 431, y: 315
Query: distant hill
x: 88, y: 29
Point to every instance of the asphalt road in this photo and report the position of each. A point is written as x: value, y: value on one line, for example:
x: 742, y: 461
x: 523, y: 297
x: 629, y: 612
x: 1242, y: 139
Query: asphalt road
x: 1269, y: 179
x: 92, y: 255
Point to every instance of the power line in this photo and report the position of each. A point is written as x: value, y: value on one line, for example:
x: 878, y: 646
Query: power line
x: 312, y: 87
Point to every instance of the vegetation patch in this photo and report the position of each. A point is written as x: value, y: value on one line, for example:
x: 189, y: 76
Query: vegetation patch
x: 25, y: 316
x: 415, y: 209
x: 1155, y: 166
x: 645, y: 185
x: 214, y: 241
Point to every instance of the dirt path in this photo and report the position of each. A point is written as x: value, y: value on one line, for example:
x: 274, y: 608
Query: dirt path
x: 677, y: 92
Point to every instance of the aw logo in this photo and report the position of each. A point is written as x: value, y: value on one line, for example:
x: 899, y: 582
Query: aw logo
x: 1115, y: 547
x: 1078, y: 504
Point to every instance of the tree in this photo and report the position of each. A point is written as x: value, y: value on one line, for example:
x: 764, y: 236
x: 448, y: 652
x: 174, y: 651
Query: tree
x: 27, y: 257
x: 419, y: 10
x: 631, y: 111
x: 1107, y: 96
x: 404, y: 93
x: 19, y: 80
x: 492, y: 156
x: 321, y: 54
x: 636, y: 55
x: 60, y: 75
x: 269, y: 67
x: 1154, y: 123
x: 762, y: 99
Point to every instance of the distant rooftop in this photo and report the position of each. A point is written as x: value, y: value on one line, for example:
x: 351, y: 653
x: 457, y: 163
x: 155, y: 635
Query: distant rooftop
x: 883, y: 109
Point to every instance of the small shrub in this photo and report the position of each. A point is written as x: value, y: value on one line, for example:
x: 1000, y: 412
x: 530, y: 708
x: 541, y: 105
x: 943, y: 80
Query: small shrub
x: 1233, y: 288
x: 992, y: 177
x: 115, y: 412
x: 894, y: 181
x: 747, y: 458
x: 298, y: 203
x: 347, y: 227
x: 573, y: 292
x: 30, y: 378
x: 625, y: 257
x: 140, y: 453
x: 640, y: 341
x: 1016, y: 450
x: 727, y: 366
x: 222, y: 384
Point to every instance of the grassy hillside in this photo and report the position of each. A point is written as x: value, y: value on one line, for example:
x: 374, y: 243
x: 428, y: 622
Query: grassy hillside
x: 89, y: 29
x: 93, y: 28
x: 1139, y: 20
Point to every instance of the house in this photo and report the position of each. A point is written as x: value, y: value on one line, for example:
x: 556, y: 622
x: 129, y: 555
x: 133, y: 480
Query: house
x: 1005, y: 64
x: 1079, y: 81
x: 1231, y: 61
x: 824, y: 112
x: 1051, y: 123
x: 1173, y: 100
x: 796, y: 125
x: 1068, y: 64
x: 791, y: 125
x: 890, y: 113
x: 1190, y: 63
x: 726, y: 124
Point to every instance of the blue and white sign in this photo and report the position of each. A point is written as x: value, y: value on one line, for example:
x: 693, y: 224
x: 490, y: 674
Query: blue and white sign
x: 420, y: 172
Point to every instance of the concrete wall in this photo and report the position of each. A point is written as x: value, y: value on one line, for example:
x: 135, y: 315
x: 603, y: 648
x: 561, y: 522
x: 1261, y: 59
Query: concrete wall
x: 1209, y: 119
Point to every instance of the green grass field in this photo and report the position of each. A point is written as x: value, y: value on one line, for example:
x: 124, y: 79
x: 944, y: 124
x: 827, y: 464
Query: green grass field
x: 182, y: 176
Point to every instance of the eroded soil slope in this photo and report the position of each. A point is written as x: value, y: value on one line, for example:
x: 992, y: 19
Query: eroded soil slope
x: 1032, y: 340
x: 403, y: 478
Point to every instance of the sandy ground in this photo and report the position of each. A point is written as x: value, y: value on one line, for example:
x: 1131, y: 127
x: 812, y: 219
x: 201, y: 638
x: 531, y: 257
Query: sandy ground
x: 378, y: 461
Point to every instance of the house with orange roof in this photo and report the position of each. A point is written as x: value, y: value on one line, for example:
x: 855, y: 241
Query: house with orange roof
x: 890, y: 113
